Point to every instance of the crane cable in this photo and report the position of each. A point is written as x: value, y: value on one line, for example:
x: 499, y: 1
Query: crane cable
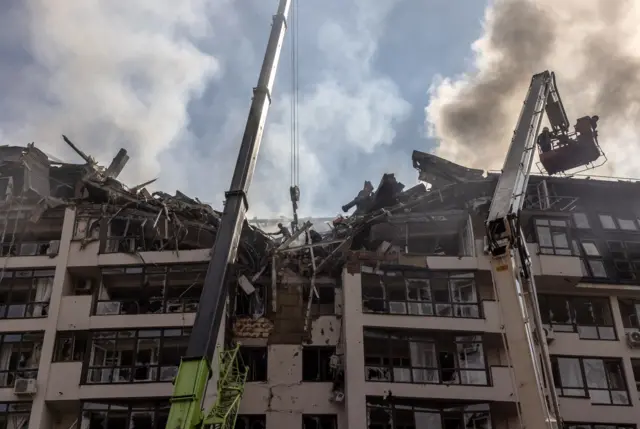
x: 294, y: 189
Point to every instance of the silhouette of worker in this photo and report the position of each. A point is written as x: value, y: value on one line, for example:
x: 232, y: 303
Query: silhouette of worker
x: 544, y: 140
x: 282, y: 230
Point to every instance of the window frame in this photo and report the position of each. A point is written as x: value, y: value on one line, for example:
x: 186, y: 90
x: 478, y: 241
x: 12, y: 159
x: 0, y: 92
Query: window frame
x: 322, y: 362
x: 32, y: 308
x: 158, y: 408
x: 80, y: 346
x: 543, y: 300
x: 146, y: 273
x: 250, y: 351
x: 539, y: 222
x: 20, y: 408
x: 332, y: 425
x: 419, y: 290
x: 251, y: 419
x: 585, y: 388
x: 385, y: 364
x: 9, y: 375
x: 394, y: 407
x: 155, y: 368
x: 575, y: 222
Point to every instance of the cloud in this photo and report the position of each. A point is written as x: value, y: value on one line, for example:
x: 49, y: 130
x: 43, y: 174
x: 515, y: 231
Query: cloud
x: 108, y: 74
x: 346, y: 110
x: 171, y: 82
x: 592, y: 47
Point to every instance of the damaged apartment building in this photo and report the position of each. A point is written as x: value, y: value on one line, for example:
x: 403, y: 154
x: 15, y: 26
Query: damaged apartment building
x: 384, y: 318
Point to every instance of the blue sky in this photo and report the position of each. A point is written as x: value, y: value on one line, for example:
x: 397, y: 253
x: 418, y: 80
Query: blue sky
x: 172, y: 84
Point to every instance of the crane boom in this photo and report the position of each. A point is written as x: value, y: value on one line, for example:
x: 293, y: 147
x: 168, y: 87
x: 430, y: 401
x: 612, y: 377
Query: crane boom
x: 195, y: 369
x: 510, y: 263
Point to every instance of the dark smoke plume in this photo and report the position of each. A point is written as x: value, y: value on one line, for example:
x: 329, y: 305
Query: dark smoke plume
x: 590, y: 44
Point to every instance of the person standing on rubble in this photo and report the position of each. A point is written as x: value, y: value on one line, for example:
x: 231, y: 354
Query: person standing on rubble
x: 282, y: 230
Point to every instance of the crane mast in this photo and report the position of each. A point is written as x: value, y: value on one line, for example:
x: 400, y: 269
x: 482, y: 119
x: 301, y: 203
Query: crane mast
x: 195, y: 369
x: 511, y: 264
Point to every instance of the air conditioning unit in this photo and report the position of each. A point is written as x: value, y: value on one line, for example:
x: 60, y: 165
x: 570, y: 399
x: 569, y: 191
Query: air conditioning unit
x: 54, y: 248
x: 633, y: 339
x: 337, y: 396
x: 550, y: 335
x: 25, y: 386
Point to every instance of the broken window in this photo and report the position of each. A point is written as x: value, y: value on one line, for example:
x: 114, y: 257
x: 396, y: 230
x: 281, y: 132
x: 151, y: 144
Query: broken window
x: 438, y: 358
x: 319, y: 421
x: 316, y: 363
x: 590, y: 317
x: 124, y: 415
x: 133, y: 356
x: 25, y: 236
x: 251, y: 421
x: 150, y: 289
x: 14, y: 415
x: 70, y: 346
x: 125, y: 235
x: 87, y: 226
x: 436, y: 294
x: 553, y: 236
x: 402, y: 414
x: 600, y: 379
x: 25, y: 293
x: 324, y: 303
x: 251, y: 305
x: 630, y: 312
x: 255, y: 360
x: 19, y: 356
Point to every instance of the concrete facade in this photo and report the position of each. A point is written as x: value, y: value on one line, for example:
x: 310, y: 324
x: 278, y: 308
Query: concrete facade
x: 283, y: 399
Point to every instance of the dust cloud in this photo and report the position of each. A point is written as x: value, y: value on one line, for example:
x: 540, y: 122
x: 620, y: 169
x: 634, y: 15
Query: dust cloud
x: 592, y: 45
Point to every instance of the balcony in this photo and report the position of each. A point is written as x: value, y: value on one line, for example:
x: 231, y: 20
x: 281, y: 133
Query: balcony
x: 64, y: 384
x: 500, y: 390
x: 123, y: 239
x: 19, y: 359
x: 24, y: 294
x: 150, y: 289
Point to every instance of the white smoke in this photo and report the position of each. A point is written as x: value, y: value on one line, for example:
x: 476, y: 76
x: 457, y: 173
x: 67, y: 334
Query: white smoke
x: 592, y: 47
x: 108, y: 74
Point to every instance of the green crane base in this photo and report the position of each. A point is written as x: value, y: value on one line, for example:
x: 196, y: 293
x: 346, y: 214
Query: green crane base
x: 188, y: 391
x: 190, y: 387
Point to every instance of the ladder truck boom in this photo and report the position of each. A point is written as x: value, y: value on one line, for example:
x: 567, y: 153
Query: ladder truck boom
x: 195, y: 368
x: 510, y: 261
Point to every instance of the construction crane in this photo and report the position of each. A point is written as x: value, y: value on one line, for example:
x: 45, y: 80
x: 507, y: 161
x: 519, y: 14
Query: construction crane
x: 195, y: 369
x: 510, y: 261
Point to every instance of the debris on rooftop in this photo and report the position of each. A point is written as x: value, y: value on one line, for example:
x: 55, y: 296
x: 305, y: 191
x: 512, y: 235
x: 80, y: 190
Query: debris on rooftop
x: 284, y: 276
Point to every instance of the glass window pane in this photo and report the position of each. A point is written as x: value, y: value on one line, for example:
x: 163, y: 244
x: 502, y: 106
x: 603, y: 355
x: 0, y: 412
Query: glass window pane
x: 581, y: 220
x: 627, y: 224
x: 544, y: 237
x: 597, y: 268
x: 590, y: 248
x: 560, y: 240
x: 607, y: 222
x: 570, y: 373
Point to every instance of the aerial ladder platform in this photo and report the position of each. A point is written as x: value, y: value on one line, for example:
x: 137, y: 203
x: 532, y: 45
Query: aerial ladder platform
x: 513, y: 280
